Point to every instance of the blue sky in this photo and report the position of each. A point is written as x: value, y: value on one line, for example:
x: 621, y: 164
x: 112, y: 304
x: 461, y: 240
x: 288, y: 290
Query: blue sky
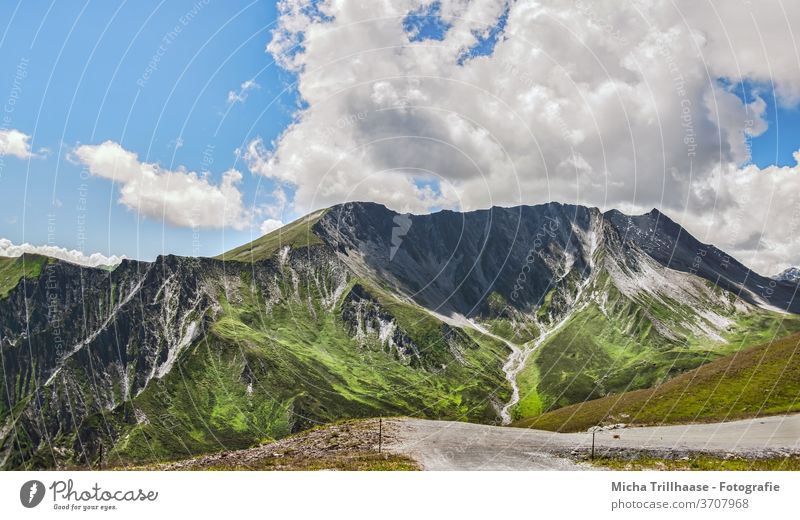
x: 80, y: 73
x: 781, y: 139
x: 778, y: 143
x: 83, y: 61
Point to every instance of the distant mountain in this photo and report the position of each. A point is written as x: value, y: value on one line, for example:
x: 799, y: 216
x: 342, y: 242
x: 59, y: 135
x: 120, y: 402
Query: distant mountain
x: 790, y: 275
x: 356, y: 311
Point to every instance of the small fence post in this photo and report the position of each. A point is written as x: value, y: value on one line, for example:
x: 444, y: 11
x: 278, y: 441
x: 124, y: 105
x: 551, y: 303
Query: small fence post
x: 380, y: 434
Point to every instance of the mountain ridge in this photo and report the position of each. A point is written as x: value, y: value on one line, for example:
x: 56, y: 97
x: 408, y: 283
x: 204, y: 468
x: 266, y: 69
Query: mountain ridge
x: 616, y: 216
x: 357, y: 311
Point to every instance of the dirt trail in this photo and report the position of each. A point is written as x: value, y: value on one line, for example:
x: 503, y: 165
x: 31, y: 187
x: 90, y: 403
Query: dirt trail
x: 445, y: 445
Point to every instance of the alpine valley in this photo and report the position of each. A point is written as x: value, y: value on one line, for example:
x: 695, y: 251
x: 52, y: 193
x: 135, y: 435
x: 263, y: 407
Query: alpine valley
x: 488, y: 316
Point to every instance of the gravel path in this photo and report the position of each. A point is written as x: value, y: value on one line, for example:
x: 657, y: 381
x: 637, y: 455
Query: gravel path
x: 445, y: 445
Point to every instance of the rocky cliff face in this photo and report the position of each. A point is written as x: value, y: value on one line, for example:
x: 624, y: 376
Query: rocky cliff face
x: 77, y: 340
x: 360, y: 311
x: 227, y: 352
x: 672, y: 246
x: 451, y: 262
x: 589, y: 302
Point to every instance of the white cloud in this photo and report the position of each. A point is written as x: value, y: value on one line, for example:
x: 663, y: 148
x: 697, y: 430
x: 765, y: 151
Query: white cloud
x: 244, y: 89
x: 601, y: 103
x: 7, y: 248
x: 179, y: 197
x: 761, y: 227
x: 13, y: 142
x: 270, y: 225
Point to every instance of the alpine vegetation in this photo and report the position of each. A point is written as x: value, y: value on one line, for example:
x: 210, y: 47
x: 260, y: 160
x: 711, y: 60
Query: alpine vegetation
x: 355, y: 311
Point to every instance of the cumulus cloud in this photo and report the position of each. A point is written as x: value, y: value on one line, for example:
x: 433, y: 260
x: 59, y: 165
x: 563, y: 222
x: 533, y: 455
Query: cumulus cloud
x: 628, y: 105
x: 241, y: 95
x: 762, y: 225
x: 179, y: 197
x: 8, y: 248
x: 16, y: 143
x: 270, y: 225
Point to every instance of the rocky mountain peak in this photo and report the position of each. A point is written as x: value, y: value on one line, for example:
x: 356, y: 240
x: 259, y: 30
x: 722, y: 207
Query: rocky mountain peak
x: 790, y: 275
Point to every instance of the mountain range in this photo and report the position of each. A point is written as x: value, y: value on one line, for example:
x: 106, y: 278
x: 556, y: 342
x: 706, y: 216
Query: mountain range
x: 358, y: 311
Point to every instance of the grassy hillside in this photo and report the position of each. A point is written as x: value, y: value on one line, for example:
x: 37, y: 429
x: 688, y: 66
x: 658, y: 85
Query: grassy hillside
x: 258, y: 377
x: 617, y: 347
x: 297, y: 234
x: 699, y: 463
x: 759, y: 381
x: 12, y: 270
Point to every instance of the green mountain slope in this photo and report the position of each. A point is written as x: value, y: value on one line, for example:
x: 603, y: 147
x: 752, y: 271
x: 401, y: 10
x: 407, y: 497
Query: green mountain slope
x: 591, y: 355
x: 188, y: 356
x: 13, y: 270
x: 357, y: 311
x: 759, y: 381
x: 256, y: 378
x: 297, y: 234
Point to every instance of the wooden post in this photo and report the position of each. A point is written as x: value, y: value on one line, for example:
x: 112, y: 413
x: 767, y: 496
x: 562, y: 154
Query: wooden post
x: 101, y: 454
x: 380, y: 434
x: 593, y: 432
